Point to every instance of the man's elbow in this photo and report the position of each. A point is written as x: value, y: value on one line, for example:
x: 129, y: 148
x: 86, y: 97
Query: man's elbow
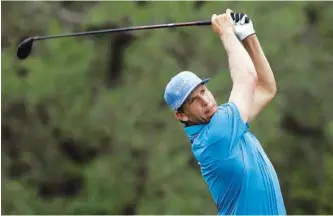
x: 271, y: 93
x: 273, y: 90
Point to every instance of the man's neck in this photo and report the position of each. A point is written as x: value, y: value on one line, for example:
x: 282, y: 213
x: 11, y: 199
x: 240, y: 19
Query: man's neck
x: 189, y: 123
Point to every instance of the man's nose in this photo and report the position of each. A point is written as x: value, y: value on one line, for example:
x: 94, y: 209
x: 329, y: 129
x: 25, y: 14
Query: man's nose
x: 204, y: 100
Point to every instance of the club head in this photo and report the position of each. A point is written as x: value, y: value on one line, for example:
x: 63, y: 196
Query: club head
x: 24, y: 49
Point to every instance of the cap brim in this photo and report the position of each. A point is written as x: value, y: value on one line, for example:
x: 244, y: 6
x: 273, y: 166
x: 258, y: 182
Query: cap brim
x: 204, y: 81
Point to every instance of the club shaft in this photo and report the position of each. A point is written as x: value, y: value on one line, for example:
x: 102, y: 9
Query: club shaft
x: 168, y: 25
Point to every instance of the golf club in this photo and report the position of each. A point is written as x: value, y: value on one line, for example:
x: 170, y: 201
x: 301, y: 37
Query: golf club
x: 25, y: 47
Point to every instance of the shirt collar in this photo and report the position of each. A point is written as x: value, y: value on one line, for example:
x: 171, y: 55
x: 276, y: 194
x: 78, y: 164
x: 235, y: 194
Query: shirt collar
x: 194, y: 129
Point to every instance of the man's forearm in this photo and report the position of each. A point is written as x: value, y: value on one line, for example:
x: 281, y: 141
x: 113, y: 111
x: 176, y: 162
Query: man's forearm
x: 266, y: 80
x: 241, y: 66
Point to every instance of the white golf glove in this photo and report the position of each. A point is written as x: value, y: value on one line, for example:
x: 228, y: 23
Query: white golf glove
x: 243, y: 25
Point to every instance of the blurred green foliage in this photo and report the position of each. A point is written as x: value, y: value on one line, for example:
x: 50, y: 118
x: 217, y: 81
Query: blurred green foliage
x: 85, y: 129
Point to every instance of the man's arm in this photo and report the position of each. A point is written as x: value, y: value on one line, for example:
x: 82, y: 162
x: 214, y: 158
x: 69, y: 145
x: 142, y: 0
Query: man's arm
x: 242, y: 69
x: 265, y: 89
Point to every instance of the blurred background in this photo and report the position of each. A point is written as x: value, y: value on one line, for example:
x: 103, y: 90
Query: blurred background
x: 85, y: 129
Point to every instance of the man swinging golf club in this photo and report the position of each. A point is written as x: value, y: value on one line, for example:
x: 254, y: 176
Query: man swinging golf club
x: 237, y: 171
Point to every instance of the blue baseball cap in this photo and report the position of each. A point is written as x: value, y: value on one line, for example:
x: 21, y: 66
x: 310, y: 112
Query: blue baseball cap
x: 180, y: 87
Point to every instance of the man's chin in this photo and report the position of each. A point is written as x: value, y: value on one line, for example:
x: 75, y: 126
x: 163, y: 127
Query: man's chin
x: 211, y: 114
x: 207, y: 120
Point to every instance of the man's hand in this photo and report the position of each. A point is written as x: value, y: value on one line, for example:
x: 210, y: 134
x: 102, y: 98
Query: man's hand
x: 243, y: 26
x: 223, y: 24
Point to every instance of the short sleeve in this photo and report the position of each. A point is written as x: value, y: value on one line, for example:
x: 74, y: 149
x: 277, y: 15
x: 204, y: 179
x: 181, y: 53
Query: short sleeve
x: 226, y: 126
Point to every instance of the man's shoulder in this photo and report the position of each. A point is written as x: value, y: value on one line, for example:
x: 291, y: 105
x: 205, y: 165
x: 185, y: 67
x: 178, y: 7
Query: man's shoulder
x: 218, y: 126
x: 223, y: 111
x: 226, y: 113
x: 206, y: 137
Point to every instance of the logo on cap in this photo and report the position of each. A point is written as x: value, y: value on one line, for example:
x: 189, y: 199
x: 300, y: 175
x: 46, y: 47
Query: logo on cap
x: 179, y: 89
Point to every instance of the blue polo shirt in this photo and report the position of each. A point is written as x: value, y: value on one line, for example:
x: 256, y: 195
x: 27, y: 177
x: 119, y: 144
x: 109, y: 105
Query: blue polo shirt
x: 237, y: 171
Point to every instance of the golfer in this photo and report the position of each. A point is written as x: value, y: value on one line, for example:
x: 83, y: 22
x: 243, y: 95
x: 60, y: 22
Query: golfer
x: 236, y: 169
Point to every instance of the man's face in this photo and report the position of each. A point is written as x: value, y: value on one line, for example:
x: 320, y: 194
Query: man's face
x: 199, y: 107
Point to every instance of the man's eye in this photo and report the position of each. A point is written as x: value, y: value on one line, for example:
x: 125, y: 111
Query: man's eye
x: 203, y: 90
x: 192, y: 100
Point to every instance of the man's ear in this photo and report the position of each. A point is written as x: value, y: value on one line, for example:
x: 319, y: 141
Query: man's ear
x: 181, y: 116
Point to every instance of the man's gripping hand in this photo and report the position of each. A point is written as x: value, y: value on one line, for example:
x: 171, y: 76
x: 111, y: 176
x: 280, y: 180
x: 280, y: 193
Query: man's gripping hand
x: 243, y: 25
x: 223, y: 24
